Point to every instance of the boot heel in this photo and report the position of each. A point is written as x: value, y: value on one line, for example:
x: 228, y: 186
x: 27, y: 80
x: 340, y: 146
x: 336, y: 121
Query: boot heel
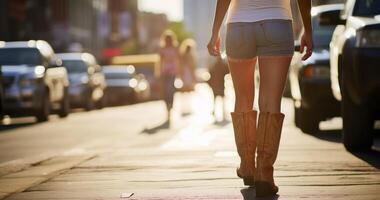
x: 249, y: 181
x: 264, y: 189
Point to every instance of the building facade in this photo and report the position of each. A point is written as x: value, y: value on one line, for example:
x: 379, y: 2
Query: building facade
x: 88, y: 25
x: 198, y: 17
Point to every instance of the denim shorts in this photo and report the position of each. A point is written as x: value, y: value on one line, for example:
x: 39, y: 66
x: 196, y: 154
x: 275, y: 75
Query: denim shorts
x: 246, y: 40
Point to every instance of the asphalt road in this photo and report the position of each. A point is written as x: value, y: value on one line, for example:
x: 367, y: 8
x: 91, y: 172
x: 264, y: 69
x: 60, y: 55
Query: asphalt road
x: 117, y: 151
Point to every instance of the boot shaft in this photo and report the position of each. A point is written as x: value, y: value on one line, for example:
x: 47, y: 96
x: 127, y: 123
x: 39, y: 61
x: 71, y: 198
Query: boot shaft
x: 268, y: 141
x: 244, y: 124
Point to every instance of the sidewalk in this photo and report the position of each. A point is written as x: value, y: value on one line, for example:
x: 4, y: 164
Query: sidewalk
x: 198, y: 161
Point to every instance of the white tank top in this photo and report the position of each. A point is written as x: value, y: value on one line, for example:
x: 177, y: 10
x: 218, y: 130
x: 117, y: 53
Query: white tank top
x: 257, y: 10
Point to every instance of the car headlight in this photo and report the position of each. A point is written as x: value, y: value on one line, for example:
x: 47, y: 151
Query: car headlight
x: 132, y: 82
x: 368, y: 38
x: 143, y: 86
x: 39, y: 71
x: 84, y: 79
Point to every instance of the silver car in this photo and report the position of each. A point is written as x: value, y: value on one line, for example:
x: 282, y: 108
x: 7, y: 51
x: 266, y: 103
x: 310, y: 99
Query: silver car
x: 124, y: 85
x: 34, y: 80
x: 87, y: 82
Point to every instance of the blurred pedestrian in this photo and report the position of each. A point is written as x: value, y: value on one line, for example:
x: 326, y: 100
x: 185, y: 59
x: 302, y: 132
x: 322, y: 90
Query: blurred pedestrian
x: 187, y: 73
x: 170, y: 60
x: 218, y: 71
x: 187, y: 67
x: 259, y: 30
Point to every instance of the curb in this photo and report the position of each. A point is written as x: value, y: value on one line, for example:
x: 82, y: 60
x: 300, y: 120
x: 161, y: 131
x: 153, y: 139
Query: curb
x: 34, y: 175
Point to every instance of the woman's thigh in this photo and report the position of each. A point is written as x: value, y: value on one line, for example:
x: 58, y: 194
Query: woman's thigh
x: 273, y: 74
x: 242, y: 73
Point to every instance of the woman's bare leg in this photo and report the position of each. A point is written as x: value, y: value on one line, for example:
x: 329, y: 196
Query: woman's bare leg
x: 242, y: 73
x: 273, y: 73
x: 244, y: 118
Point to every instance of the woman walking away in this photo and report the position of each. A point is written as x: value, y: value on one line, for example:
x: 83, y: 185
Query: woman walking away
x: 169, y: 67
x: 187, y: 73
x: 187, y: 50
x: 218, y: 70
x: 259, y: 31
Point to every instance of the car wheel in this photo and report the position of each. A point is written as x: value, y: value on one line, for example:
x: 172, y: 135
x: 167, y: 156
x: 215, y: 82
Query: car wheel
x: 89, y: 102
x: 65, y: 105
x: 100, y: 103
x: 306, y: 120
x: 357, y: 124
x: 133, y: 98
x: 297, y: 116
x: 43, y: 112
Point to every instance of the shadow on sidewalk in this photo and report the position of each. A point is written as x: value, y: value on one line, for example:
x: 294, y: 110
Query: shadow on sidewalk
x: 250, y: 194
x: 18, y: 123
x: 153, y: 130
x: 222, y: 123
x: 372, y: 157
x: 329, y: 135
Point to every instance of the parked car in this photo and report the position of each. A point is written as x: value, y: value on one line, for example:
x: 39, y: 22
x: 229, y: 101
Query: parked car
x: 35, y: 82
x: 87, y: 81
x: 309, y: 80
x: 124, y: 85
x: 355, y: 72
x: 1, y: 95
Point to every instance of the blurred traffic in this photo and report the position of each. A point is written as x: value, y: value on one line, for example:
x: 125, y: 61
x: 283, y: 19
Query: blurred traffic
x: 110, y: 99
x: 342, y: 76
x: 111, y: 52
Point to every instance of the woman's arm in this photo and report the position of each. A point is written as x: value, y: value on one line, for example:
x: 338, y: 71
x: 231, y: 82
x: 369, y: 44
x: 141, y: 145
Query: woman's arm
x: 221, y: 10
x: 307, y: 39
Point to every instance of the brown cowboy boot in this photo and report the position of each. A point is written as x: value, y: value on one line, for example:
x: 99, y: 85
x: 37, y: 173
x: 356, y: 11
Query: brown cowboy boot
x: 268, y: 140
x: 245, y: 137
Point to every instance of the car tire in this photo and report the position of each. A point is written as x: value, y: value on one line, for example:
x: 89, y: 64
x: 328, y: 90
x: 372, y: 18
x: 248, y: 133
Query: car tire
x: 89, y: 102
x: 100, y: 103
x: 64, y: 105
x: 297, y: 116
x: 132, y: 99
x: 306, y: 120
x: 357, y: 124
x: 43, y: 112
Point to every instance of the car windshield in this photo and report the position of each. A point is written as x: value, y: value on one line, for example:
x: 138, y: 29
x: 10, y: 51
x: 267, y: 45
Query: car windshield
x: 75, y: 66
x: 367, y: 8
x: 117, y: 75
x: 322, y: 34
x: 20, y: 56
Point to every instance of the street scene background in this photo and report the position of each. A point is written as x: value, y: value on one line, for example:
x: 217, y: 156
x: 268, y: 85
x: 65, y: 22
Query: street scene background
x: 123, y: 141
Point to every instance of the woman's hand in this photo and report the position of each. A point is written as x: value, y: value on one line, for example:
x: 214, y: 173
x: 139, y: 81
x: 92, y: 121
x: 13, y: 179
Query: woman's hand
x: 307, y: 39
x: 306, y: 45
x: 214, y: 45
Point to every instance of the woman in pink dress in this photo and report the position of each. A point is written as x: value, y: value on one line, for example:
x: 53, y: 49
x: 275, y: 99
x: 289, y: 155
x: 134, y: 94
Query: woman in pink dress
x: 187, y: 50
x: 170, y: 60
